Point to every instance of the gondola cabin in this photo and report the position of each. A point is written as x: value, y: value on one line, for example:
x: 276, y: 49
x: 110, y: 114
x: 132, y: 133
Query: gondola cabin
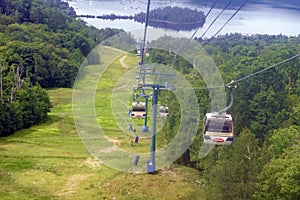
x: 163, y: 111
x: 218, y: 129
x: 138, y: 110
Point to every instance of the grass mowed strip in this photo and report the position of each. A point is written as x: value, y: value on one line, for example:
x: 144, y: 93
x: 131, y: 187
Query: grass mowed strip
x: 105, y: 89
x: 49, y: 161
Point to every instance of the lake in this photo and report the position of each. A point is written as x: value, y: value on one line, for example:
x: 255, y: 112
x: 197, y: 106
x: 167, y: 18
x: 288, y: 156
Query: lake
x: 255, y: 18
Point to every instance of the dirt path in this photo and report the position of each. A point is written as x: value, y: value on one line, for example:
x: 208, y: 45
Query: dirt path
x: 115, y: 49
x: 72, y: 184
x: 123, y: 63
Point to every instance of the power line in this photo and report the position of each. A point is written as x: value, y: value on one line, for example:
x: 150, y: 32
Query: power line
x: 144, y: 41
x: 246, y: 77
x: 215, y: 19
x: 201, y: 88
x: 260, y: 71
x: 226, y: 23
x: 204, y: 18
x: 230, y: 19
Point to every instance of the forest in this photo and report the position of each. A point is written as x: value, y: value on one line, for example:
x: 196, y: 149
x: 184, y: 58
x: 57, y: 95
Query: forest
x: 263, y: 163
x: 42, y: 47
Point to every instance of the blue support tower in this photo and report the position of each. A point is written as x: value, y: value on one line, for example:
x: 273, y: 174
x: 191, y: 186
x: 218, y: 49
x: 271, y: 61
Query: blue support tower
x: 151, y: 161
x: 145, y: 128
x: 156, y: 88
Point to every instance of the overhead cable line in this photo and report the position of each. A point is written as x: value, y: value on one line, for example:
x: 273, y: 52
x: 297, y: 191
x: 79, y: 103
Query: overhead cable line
x: 215, y: 19
x: 144, y: 41
x: 204, y: 18
x: 236, y: 12
x: 246, y: 77
x: 201, y: 88
x: 255, y: 73
x: 226, y: 23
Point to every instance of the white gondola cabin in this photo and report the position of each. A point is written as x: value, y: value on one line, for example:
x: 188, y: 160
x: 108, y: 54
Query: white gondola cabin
x: 163, y: 111
x: 218, y: 129
x: 138, y: 110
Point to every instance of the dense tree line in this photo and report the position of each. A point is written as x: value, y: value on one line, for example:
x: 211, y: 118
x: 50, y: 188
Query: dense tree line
x: 264, y: 161
x: 107, y: 16
x: 266, y: 110
x: 49, y: 43
x: 175, y: 18
x: 42, y: 46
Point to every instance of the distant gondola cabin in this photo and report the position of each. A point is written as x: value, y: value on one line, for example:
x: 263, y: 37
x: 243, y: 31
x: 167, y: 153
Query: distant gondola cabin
x: 163, y: 111
x: 138, y: 110
x: 218, y: 129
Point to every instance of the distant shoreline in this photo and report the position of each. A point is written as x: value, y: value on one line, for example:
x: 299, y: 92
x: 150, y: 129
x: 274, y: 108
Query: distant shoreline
x: 152, y: 22
x: 174, y: 18
x: 277, y: 18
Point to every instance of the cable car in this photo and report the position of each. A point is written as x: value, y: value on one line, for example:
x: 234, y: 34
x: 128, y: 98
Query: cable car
x: 163, y: 111
x: 138, y: 110
x: 138, y: 52
x: 218, y: 129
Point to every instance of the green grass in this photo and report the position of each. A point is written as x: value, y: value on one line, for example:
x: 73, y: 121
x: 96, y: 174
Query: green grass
x: 49, y: 161
x: 103, y: 104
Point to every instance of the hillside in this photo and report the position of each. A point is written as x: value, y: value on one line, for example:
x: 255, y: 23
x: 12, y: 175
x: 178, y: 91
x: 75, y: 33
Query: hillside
x: 49, y: 161
x: 48, y: 157
x: 42, y: 45
x: 265, y: 111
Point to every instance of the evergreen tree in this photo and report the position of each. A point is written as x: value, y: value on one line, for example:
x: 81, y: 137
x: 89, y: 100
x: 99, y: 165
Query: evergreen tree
x: 280, y: 177
x: 233, y: 174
